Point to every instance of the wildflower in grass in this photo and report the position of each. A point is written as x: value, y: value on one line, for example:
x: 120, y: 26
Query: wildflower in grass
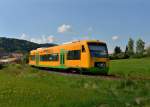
x: 127, y: 104
x: 86, y: 85
x: 94, y: 86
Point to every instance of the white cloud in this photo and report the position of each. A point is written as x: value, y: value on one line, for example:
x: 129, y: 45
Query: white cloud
x: 36, y: 40
x: 51, y: 39
x: 64, y: 28
x: 43, y: 39
x: 114, y: 38
x: 23, y: 36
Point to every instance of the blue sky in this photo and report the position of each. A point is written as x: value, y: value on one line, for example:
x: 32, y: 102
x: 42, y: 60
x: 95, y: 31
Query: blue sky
x: 58, y: 21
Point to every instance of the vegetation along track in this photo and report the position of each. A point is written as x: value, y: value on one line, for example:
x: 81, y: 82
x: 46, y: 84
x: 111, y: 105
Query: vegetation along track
x: 107, y: 77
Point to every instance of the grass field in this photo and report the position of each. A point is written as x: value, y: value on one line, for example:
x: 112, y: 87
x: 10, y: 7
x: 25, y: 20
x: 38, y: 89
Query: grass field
x: 23, y: 86
x: 131, y: 68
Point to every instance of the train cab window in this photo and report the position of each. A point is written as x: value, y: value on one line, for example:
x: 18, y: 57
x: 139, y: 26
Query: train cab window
x: 83, y: 48
x: 74, y: 55
x: 98, y: 50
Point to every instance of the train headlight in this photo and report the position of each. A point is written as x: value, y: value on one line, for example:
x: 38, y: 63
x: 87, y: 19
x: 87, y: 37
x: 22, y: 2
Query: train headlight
x: 100, y: 64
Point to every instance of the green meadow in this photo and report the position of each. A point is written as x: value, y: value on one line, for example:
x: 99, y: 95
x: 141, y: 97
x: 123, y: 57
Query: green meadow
x: 24, y: 86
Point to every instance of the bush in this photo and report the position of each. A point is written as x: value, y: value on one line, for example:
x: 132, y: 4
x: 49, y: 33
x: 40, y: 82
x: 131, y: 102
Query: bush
x: 25, y: 59
x: 148, y: 51
x: 139, y: 55
x: 121, y: 55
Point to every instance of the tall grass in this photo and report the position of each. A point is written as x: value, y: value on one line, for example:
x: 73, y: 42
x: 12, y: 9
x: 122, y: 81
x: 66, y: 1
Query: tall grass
x: 24, y: 86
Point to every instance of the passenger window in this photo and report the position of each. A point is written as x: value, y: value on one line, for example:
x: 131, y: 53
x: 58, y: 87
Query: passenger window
x: 83, y: 48
x: 49, y: 57
x: 32, y: 57
x: 74, y: 55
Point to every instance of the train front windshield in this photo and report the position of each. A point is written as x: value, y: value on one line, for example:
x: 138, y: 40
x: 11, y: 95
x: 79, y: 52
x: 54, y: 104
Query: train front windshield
x: 98, y: 50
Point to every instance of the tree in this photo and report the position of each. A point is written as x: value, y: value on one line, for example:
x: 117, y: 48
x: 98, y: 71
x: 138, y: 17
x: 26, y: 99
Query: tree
x: 130, y: 46
x: 25, y: 58
x: 126, y: 52
x: 148, y: 51
x: 117, y: 50
x: 118, y: 54
x: 140, y: 45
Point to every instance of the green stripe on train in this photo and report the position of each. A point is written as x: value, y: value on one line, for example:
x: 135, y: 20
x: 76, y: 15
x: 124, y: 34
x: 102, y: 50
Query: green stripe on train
x: 61, y: 66
x: 93, y: 70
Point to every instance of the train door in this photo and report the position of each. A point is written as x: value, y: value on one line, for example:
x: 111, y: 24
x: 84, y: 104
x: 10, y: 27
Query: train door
x: 37, y: 58
x: 62, y: 57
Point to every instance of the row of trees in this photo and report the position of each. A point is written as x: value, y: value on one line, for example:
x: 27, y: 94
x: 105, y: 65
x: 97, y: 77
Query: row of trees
x: 133, y: 49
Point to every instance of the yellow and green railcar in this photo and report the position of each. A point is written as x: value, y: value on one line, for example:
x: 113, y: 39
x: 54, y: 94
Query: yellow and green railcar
x: 86, y: 56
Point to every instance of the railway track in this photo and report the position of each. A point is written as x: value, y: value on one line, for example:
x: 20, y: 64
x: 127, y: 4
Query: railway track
x: 106, y: 77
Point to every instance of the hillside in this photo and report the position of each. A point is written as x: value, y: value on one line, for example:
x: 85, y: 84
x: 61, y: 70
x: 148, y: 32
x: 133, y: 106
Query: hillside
x: 13, y: 45
x: 24, y: 86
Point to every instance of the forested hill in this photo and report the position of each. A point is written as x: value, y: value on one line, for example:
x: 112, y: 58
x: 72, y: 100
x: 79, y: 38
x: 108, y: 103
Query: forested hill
x: 17, y: 45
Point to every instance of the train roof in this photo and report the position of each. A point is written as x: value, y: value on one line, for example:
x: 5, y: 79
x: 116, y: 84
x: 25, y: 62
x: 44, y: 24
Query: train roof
x: 72, y: 42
